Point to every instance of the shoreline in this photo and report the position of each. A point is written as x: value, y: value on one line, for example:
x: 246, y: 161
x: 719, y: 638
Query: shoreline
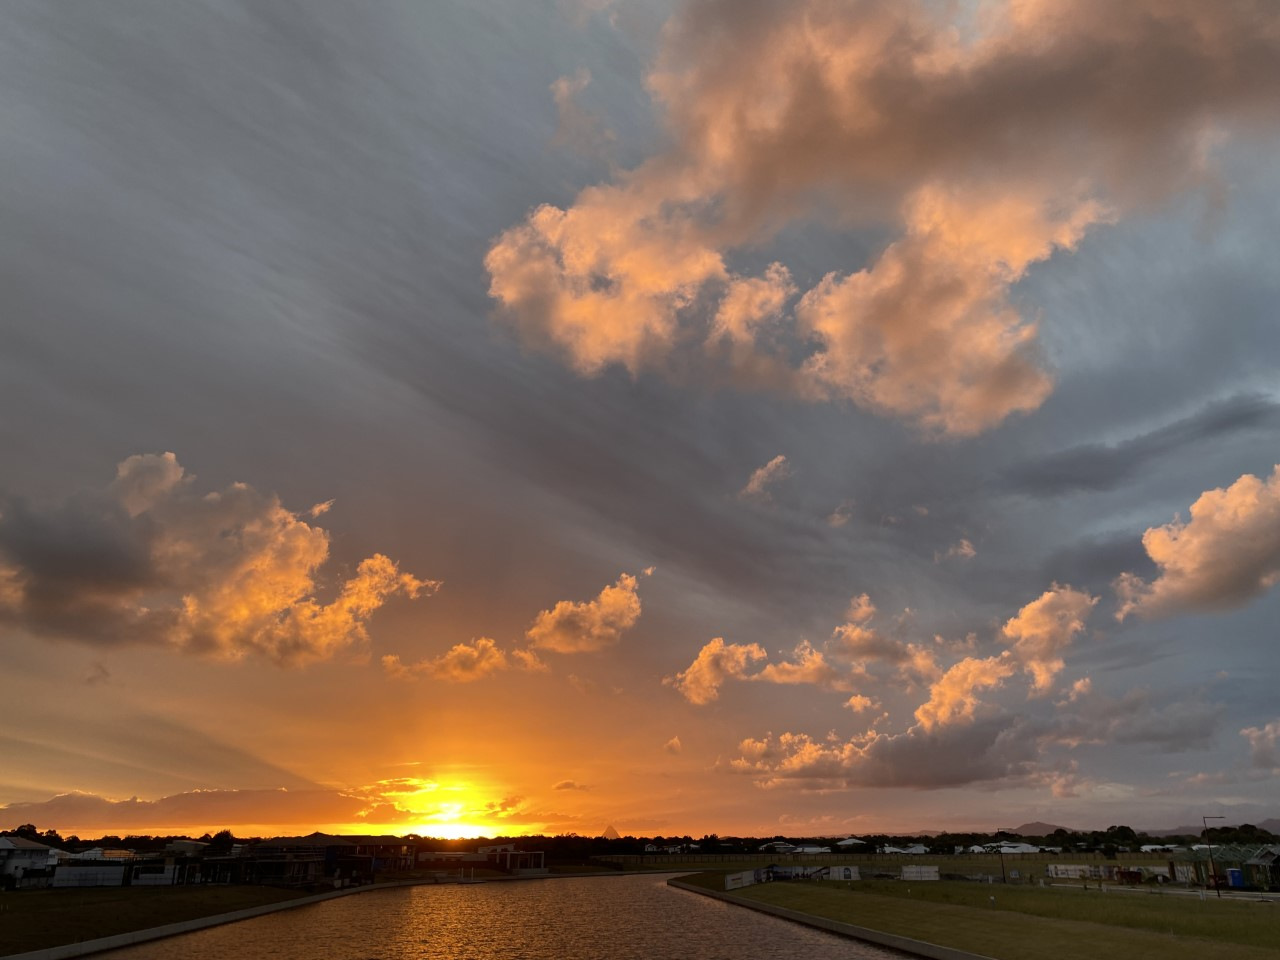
x: 919, y: 948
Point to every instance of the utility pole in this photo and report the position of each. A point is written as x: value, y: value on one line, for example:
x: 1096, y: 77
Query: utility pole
x: 1213, y: 871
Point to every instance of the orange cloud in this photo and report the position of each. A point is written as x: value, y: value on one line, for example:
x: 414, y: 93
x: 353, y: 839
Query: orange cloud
x: 763, y: 479
x: 1264, y: 746
x: 953, y: 697
x: 987, y: 151
x: 809, y: 666
x: 150, y: 560
x: 462, y: 663
x: 716, y: 662
x: 1044, y: 628
x: 987, y: 750
x: 1227, y: 554
x: 571, y: 627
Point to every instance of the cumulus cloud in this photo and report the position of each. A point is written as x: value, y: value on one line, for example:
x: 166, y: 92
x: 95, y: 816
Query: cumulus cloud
x: 808, y: 665
x: 840, y: 516
x: 673, y: 745
x: 962, y: 549
x: 861, y: 609
x: 716, y: 662
x: 845, y: 661
x: 763, y: 479
x: 984, y: 151
x: 570, y: 785
x: 1227, y: 554
x: 866, y: 648
x: 461, y: 663
x: 945, y: 282
x: 149, y: 559
x: 959, y: 734
x: 1264, y: 746
x: 1044, y: 628
x: 953, y: 697
x: 989, y: 749
x: 591, y: 625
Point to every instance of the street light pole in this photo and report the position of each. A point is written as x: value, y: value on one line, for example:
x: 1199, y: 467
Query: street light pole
x: 1213, y: 871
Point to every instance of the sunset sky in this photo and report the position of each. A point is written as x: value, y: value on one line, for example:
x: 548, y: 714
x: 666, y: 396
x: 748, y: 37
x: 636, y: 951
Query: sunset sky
x: 527, y: 416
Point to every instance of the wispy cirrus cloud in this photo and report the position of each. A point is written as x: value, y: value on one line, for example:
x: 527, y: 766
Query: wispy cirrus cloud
x: 763, y: 479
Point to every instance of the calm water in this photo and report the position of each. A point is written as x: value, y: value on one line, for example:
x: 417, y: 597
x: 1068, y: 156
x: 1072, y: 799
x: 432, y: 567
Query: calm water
x: 569, y: 919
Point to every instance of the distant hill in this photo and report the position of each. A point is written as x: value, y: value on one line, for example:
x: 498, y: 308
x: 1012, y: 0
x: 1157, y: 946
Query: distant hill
x: 1038, y: 829
x: 1271, y: 825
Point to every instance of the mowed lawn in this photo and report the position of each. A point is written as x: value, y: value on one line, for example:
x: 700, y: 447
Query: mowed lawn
x: 1032, y: 923
x: 35, y: 919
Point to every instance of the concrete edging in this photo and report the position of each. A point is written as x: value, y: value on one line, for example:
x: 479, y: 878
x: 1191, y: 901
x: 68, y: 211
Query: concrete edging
x: 920, y: 948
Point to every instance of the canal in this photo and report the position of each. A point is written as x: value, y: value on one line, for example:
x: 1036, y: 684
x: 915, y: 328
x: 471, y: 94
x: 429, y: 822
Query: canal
x: 551, y: 919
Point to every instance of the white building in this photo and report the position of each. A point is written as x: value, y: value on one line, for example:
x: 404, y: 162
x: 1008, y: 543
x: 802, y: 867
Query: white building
x: 22, y: 860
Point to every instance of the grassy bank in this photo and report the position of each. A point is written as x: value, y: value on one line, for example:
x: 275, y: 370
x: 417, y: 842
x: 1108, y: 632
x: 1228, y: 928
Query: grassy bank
x: 1031, y: 923
x: 35, y: 919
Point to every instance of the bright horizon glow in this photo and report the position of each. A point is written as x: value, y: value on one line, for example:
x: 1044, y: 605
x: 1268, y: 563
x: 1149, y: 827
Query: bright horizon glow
x: 881, y: 439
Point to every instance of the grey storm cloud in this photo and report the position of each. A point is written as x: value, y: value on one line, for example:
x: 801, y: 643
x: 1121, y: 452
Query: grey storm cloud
x: 991, y: 749
x: 1095, y: 467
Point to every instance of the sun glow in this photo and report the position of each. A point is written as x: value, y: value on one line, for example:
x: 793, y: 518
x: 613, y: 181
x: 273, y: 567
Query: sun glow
x: 455, y: 810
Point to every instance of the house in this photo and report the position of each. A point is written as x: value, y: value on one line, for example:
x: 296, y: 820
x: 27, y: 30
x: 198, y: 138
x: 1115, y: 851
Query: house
x: 185, y: 848
x: 1226, y: 865
x: 302, y: 861
x: 25, y: 863
x: 386, y: 852
x: 1264, y: 868
x: 777, y: 846
x: 915, y: 849
x: 670, y: 848
x: 850, y: 843
x: 1004, y: 846
x: 522, y: 862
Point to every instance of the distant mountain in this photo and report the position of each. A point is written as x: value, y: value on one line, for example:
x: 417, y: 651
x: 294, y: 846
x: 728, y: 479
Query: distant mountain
x: 1271, y: 825
x: 1176, y: 832
x: 1038, y: 829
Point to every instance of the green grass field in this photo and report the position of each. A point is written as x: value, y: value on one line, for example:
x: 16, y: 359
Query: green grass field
x: 1033, y: 923
x: 35, y: 919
